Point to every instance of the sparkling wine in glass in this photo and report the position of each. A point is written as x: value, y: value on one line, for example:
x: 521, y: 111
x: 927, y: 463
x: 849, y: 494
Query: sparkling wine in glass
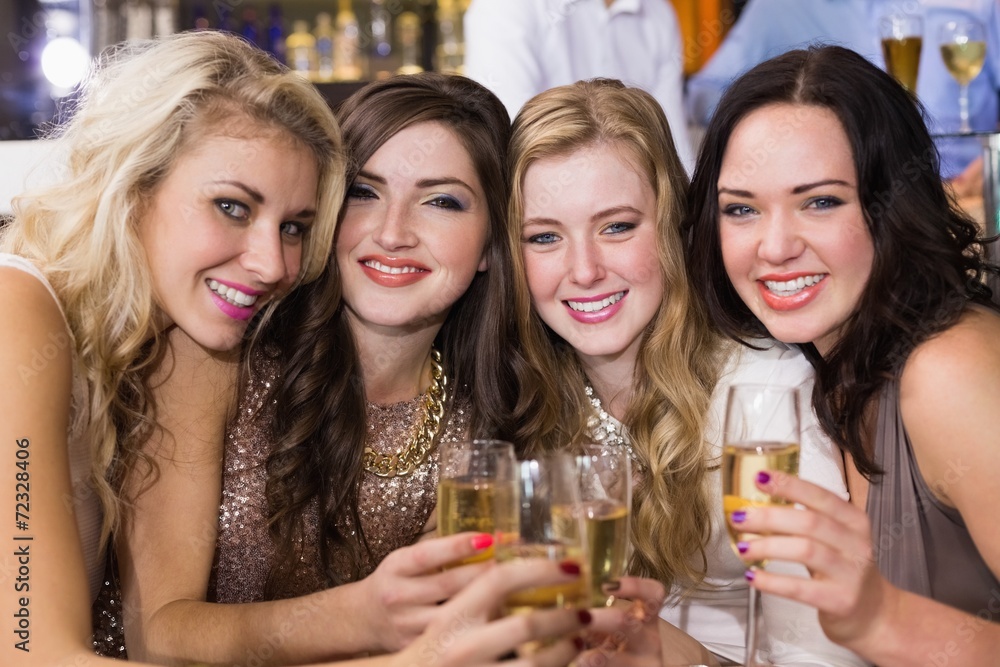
x: 902, y: 40
x: 963, y: 49
x: 474, y: 476
x: 761, y: 433
x: 605, y: 499
x: 542, y: 520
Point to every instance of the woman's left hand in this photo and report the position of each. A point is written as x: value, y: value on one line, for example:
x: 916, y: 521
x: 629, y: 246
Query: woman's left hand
x: 627, y: 634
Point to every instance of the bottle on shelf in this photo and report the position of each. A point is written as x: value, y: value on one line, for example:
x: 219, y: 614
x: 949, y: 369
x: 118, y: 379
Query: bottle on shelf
x: 347, y: 62
x: 381, y: 40
x: 165, y: 17
x: 450, y: 51
x: 324, y: 47
x: 275, y: 35
x: 408, y: 34
x: 300, y: 49
x: 251, y: 28
x: 138, y: 19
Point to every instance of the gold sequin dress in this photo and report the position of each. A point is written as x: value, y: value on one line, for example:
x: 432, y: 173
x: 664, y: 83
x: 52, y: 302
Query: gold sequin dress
x: 393, y: 511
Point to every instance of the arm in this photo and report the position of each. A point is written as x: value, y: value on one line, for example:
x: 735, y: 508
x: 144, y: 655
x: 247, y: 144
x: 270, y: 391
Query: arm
x: 50, y: 581
x: 950, y: 396
x: 500, y: 50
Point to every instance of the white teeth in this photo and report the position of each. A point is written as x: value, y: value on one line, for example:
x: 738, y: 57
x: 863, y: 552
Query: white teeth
x: 594, y: 306
x: 787, y: 287
x: 232, y: 295
x: 391, y: 270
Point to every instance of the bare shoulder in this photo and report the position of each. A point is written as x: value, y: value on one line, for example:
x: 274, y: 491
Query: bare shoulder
x: 950, y: 402
x: 34, y: 337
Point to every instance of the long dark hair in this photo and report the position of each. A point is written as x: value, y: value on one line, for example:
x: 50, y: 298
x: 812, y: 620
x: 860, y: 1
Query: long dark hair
x: 929, y: 261
x: 319, y: 429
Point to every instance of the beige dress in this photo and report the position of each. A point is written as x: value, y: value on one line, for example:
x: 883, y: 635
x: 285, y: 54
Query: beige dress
x: 393, y: 511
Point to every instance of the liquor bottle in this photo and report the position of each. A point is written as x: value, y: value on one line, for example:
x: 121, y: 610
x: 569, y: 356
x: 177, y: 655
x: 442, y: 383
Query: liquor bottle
x: 450, y: 51
x: 408, y: 34
x: 138, y: 16
x: 164, y: 17
x: 200, y: 21
x: 324, y: 47
x: 275, y: 35
x: 347, y: 63
x: 381, y: 36
x: 300, y: 49
x: 251, y: 28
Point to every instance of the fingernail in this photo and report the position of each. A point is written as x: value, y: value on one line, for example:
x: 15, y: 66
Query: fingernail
x: 480, y: 542
x: 569, y: 567
x: 584, y: 616
x: 742, y: 547
x: 749, y: 574
x: 763, y: 477
x: 739, y: 516
x: 579, y: 644
x: 611, y: 586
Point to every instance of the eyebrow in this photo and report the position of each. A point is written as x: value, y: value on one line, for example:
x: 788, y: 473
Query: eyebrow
x: 600, y: 215
x: 259, y: 198
x: 797, y: 190
x: 424, y: 183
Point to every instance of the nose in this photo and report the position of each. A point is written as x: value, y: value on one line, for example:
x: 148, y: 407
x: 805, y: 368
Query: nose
x: 395, y: 230
x: 264, y: 255
x: 778, y: 239
x: 586, y: 265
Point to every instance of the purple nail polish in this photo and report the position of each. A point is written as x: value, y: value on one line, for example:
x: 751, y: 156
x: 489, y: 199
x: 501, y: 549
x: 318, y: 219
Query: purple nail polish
x: 739, y: 516
x: 763, y: 477
x: 742, y: 547
x: 749, y: 574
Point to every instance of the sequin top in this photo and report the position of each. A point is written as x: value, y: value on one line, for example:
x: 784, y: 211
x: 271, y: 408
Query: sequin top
x: 392, y: 510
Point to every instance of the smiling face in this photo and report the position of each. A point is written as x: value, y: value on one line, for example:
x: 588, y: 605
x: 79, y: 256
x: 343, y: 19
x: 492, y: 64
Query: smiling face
x: 223, y: 231
x: 414, y: 231
x: 589, y: 251
x: 792, y: 230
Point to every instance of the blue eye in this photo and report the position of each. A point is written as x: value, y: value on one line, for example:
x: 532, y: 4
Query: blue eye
x: 619, y: 228
x: 233, y: 209
x: 545, y: 238
x: 825, y: 202
x: 446, y: 201
x: 737, y: 210
x: 361, y: 191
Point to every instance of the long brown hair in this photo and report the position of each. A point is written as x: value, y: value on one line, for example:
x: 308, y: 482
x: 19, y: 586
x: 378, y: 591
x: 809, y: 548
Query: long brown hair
x: 320, y: 429
x: 679, y: 358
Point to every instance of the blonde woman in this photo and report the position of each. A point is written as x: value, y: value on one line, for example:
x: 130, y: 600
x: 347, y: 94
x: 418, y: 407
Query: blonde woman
x: 624, y: 351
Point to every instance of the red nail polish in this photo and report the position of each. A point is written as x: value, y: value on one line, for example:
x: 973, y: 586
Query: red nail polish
x: 579, y: 644
x: 569, y: 567
x: 584, y: 616
x: 480, y: 542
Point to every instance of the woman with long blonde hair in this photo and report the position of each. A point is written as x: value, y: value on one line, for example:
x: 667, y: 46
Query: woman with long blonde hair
x: 620, y: 349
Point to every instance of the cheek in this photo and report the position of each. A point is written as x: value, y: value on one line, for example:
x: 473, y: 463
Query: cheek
x: 538, y: 275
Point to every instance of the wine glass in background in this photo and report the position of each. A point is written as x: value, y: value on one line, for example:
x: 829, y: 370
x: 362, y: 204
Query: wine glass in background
x: 474, y: 476
x: 902, y: 40
x: 761, y: 433
x: 963, y: 49
x: 605, y: 500
x: 542, y: 520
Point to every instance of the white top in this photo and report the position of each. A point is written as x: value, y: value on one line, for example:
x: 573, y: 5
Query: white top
x: 715, y: 614
x: 519, y: 48
x: 86, y: 506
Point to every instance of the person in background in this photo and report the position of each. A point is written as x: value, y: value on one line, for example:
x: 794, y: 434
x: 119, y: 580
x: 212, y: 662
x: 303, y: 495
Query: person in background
x: 818, y: 218
x: 518, y: 48
x: 767, y: 28
x: 621, y: 351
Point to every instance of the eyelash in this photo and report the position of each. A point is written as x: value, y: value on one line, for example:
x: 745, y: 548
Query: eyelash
x: 360, y: 191
x: 225, y: 204
x: 619, y: 227
x: 737, y: 210
x: 831, y: 202
x: 538, y: 238
x: 300, y: 229
x: 446, y: 202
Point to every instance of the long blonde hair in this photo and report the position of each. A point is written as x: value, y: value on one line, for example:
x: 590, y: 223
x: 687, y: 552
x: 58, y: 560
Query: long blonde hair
x: 145, y: 104
x: 679, y: 359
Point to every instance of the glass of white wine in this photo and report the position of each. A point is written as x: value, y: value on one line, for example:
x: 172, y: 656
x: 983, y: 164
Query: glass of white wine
x: 902, y: 40
x: 474, y: 475
x: 542, y: 520
x: 963, y: 49
x: 761, y: 433
x: 605, y: 499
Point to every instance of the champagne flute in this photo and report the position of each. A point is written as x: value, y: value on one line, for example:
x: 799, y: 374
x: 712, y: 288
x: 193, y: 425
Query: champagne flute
x: 542, y: 520
x: 963, y: 49
x: 902, y: 40
x: 761, y: 433
x: 605, y: 499
x: 475, y: 474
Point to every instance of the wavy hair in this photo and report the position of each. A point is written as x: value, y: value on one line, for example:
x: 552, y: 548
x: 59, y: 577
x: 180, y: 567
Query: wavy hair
x: 321, y: 394
x: 679, y: 358
x: 928, y: 265
x: 143, y: 106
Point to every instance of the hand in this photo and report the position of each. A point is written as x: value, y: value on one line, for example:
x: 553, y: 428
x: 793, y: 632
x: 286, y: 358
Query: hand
x: 403, y: 595
x: 627, y: 634
x: 970, y: 182
x: 463, y: 635
x: 832, y: 538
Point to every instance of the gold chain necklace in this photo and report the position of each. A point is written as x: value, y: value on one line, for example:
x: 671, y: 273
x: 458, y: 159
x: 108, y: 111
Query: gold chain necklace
x: 407, y: 459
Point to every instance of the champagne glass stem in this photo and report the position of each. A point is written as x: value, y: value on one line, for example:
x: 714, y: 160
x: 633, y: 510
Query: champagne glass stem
x: 753, y: 636
x: 963, y: 109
